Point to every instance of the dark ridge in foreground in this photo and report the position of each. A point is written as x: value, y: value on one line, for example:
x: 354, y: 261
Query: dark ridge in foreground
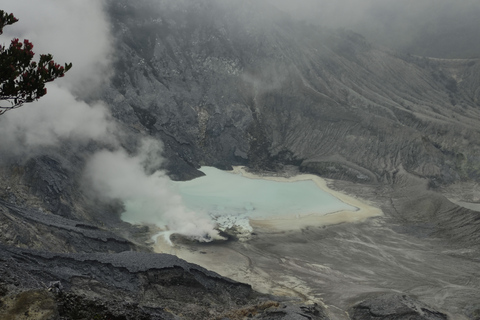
x: 129, y: 285
x: 132, y: 285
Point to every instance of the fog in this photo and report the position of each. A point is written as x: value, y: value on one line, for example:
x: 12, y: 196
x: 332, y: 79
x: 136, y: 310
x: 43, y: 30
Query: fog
x: 60, y: 28
x: 440, y: 28
x: 76, y: 31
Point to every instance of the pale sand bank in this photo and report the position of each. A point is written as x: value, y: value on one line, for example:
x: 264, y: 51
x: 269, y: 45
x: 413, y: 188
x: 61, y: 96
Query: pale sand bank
x: 296, y: 222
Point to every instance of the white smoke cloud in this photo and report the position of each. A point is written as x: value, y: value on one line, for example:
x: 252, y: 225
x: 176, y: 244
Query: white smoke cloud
x: 148, y: 198
x: 57, y: 116
x: 77, y: 31
x: 74, y: 31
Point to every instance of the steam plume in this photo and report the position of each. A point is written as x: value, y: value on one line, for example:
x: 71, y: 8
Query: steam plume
x: 77, y: 31
x: 147, y: 197
x: 60, y: 28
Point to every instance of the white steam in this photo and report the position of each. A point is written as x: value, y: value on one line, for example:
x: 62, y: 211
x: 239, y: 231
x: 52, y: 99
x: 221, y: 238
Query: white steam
x: 77, y: 31
x: 73, y: 31
x: 147, y: 197
x: 57, y: 116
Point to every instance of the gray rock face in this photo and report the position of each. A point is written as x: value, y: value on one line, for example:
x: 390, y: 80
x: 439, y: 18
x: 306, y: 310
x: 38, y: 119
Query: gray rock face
x: 222, y: 84
x: 394, y: 307
x: 30, y: 228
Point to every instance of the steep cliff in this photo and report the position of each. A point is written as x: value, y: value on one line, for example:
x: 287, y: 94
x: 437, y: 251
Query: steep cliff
x: 221, y: 84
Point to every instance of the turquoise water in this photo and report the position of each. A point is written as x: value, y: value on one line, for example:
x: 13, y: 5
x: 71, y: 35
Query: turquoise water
x: 223, y: 193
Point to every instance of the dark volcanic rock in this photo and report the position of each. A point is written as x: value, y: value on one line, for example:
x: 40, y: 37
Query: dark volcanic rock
x: 133, y: 285
x: 49, y: 180
x: 31, y: 228
x: 395, y: 307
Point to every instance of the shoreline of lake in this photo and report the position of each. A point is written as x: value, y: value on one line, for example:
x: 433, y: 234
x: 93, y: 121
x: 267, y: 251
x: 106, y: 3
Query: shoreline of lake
x: 237, y: 265
x: 295, y: 222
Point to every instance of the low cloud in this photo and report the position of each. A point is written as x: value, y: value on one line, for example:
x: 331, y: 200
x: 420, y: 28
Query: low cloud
x: 439, y: 28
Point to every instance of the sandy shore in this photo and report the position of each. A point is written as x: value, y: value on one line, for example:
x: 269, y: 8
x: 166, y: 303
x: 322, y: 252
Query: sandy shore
x: 233, y: 261
x: 337, y: 265
x: 296, y: 222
